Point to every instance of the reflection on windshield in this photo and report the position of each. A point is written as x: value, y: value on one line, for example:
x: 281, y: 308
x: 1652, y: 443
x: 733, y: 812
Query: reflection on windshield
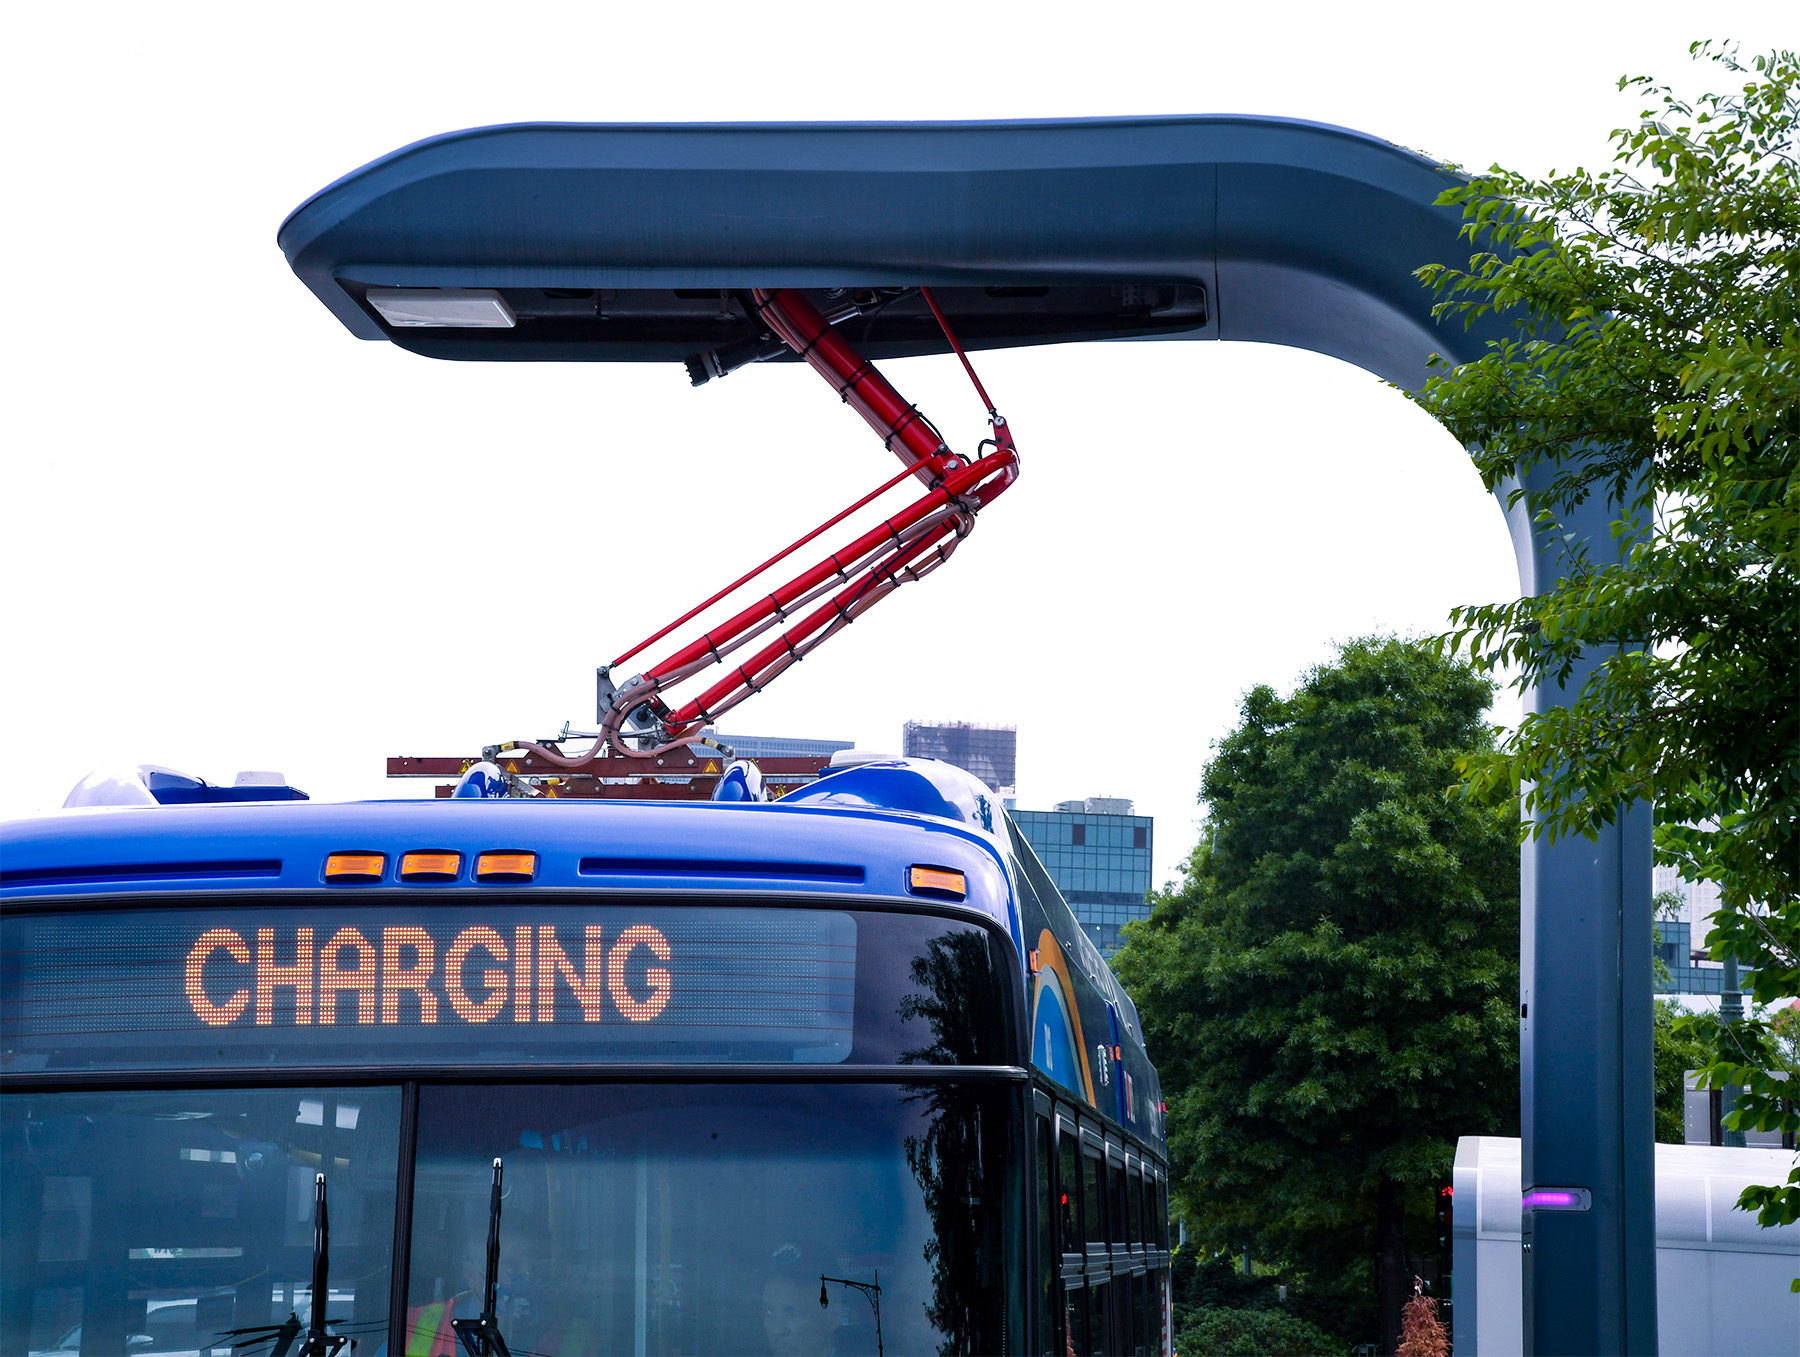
x: 945, y: 1154
x: 700, y: 1219
x: 144, y: 1223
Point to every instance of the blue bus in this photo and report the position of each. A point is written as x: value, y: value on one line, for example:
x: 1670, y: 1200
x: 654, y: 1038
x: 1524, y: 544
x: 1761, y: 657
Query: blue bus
x: 837, y: 1073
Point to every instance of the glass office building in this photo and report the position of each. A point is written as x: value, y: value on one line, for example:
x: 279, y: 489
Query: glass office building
x: 1681, y: 928
x: 1098, y: 853
x: 780, y: 746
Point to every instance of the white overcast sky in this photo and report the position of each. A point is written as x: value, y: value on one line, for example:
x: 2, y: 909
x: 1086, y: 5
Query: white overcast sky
x: 235, y: 537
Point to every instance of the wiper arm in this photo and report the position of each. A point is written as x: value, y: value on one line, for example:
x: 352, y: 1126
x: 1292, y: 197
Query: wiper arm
x: 319, y: 1343
x: 281, y: 1336
x: 482, y: 1336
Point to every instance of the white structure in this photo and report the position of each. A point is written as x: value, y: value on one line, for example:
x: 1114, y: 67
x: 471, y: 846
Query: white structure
x: 1699, y: 900
x: 1721, y: 1279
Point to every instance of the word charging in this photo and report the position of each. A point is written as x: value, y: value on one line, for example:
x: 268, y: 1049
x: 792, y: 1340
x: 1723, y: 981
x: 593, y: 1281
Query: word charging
x: 398, y: 975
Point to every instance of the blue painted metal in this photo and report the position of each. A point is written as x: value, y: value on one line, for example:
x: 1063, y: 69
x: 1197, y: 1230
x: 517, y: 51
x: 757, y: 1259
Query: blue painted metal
x: 921, y: 786
x: 1587, y: 1109
x: 1054, y: 1047
x: 741, y: 783
x: 483, y: 782
x: 1301, y: 234
x: 629, y: 846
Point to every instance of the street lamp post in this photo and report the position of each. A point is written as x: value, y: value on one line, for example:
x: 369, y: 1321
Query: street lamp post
x: 1731, y: 1012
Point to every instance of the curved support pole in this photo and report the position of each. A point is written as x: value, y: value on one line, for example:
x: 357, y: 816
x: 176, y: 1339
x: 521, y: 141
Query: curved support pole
x: 1586, y: 1088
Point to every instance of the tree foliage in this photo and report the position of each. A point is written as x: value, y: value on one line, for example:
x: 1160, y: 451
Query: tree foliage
x: 1656, y: 358
x: 1424, y: 1330
x: 1330, y: 990
x: 1760, y: 1057
x: 1211, y: 1331
x: 1674, y: 1053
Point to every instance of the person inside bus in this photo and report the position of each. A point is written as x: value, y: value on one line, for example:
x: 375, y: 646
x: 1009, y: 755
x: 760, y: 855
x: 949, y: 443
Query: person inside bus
x: 794, y: 1322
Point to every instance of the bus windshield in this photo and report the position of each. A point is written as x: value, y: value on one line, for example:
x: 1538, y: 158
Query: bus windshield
x: 182, y: 1222
x: 643, y: 1218
x: 706, y: 1219
x: 683, y: 1173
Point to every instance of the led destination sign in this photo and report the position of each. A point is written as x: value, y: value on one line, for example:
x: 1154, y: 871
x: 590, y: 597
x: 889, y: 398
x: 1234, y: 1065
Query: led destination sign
x: 395, y: 968
x: 444, y: 984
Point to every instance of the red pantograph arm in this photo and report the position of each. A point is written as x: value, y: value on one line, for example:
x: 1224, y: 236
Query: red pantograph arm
x: 905, y: 547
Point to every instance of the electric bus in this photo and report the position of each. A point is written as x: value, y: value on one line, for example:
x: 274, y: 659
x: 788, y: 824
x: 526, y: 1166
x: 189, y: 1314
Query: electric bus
x: 837, y: 1073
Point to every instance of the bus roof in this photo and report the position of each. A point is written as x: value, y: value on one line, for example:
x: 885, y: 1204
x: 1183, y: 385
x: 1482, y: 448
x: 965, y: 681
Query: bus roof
x: 604, y: 845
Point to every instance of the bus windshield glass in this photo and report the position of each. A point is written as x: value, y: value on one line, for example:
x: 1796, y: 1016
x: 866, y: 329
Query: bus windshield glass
x: 707, y: 1218
x: 636, y: 1217
x: 439, y: 982
x: 182, y: 1222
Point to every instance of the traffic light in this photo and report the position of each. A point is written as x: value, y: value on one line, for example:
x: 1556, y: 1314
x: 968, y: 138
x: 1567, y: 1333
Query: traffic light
x: 1445, y: 1222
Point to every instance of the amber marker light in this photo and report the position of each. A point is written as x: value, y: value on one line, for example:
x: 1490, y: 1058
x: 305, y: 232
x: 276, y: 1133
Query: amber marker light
x: 430, y: 866
x: 354, y: 867
x: 939, y: 880
x: 506, y: 866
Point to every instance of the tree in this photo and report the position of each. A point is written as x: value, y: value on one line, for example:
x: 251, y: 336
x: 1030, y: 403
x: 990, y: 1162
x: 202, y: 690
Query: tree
x: 1330, y: 990
x: 1657, y: 359
x: 1674, y: 1052
x: 1209, y: 1331
x: 1425, y: 1336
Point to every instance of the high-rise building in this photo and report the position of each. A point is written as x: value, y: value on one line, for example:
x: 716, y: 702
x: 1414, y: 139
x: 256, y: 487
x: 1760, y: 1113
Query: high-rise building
x: 989, y: 752
x: 1099, y: 854
x: 1681, y: 935
x: 1097, y: 805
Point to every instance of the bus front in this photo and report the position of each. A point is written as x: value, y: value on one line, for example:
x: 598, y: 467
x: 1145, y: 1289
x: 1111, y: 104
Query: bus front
x: 748, y: 1078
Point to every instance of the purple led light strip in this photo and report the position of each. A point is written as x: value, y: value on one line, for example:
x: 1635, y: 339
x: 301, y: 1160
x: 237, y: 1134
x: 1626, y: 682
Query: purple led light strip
x: 1556, y: 1199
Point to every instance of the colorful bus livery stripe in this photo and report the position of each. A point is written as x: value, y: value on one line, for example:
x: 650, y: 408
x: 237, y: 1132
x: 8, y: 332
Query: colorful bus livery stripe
x: 330, y: 984
x: 1058, y: 1047
x: 369, y: 978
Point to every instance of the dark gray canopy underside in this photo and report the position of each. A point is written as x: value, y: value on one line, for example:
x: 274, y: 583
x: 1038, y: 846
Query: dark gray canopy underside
x: 634, y: 243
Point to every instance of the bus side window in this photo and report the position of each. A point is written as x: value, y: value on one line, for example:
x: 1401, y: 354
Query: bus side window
x: 1143, y: 1325
x: 1129, y: 1288
x: 1093, y: 1173
x: 1115, y: 1199
x: 1049, y: 1256
x: 1075, y: 1315
x: 1100, y: 1318
x: 1162, y: 1214
x: 1068, y: 1187
x: 1134, y: 1200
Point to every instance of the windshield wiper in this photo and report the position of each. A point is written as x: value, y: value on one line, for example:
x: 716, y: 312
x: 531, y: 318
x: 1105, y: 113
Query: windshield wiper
x: 482, y: 1336
x: 281, y: 1336
x: 319, y: 1343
